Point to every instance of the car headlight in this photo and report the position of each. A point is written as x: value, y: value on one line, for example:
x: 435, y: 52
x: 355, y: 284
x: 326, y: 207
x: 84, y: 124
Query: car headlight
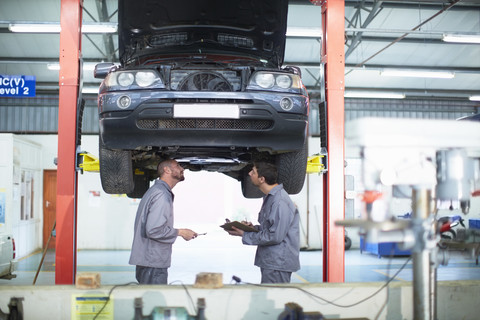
x: 275, y: 81
x: 283, y: 81
x: 145, y: 78
x: 264, y: 80
x: 125, y: 79
x: 135, y: 79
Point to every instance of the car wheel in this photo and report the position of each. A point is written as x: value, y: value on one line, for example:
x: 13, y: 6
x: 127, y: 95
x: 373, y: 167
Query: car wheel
x: 348, y: 243
x: 116, y: 173
x: 141, y: 185
x: 292, y: 168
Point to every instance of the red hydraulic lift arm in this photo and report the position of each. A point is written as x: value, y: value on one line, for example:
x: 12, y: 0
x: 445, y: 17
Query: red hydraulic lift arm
x: 333, y: 58
x: 69, y: 80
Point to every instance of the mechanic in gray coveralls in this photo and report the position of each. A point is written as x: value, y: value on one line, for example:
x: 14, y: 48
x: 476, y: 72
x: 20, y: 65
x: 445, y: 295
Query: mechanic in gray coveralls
x: 278, y: 239
x: 154, y: 234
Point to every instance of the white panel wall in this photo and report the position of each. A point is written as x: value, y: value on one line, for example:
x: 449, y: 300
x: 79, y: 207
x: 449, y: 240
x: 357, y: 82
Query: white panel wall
x: 310, y: 205
x: 21, y: 178
x: 105, y: 221
x: 202, y: 202
x: 6, y: 176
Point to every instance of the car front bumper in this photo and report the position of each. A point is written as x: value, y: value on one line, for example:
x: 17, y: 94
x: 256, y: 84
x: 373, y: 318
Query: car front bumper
x: 151, y: 121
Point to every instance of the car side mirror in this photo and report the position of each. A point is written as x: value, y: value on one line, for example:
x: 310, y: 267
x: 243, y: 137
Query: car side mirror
x: 102, y: 69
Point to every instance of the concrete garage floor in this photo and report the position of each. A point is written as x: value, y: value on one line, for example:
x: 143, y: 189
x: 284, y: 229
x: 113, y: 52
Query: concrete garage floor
x: 218, y: 252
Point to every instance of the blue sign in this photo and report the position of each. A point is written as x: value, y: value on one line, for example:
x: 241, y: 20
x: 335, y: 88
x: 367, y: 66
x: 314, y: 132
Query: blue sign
x: 17, y: 86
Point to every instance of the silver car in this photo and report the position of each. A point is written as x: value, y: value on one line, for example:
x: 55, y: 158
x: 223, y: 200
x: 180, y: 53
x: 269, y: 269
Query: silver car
x: 8, y: 264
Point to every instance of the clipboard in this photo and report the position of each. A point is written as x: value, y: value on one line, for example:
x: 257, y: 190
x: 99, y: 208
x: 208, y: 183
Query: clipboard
x: 239, y: 225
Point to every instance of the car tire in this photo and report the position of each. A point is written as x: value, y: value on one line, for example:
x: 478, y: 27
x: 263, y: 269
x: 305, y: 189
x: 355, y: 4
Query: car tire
x: 249, y: 190
x: 292, y: 168
x: 348, y: 243
x: 116, y: 173
x: 141, y: 185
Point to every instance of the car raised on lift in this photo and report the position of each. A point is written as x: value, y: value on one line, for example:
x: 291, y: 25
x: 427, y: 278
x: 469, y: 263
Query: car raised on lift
x: 201, y: 82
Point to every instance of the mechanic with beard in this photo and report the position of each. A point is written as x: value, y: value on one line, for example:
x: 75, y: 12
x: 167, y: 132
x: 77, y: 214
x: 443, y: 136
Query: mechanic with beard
x: 278, y: 236
x: 154, y: 234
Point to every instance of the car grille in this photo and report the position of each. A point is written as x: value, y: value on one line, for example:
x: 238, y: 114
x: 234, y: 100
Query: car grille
x: 200, y: 80
x: 209, y: 124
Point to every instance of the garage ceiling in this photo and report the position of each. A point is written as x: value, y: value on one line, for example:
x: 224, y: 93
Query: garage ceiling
x: 380, y: 36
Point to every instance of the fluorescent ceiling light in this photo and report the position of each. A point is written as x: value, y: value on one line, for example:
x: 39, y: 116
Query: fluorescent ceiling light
x: 86, y: 66
x: 54, y: 27
x: 374, y: 94
x: 417, y: 73
x: 89, y: 66
x: 461, y: 38
x: 53, y: 66
x: 99, y: 28
x: 34, y: 27
x: 304, y: 32
x: 474, y: 98
x: 90, y: 90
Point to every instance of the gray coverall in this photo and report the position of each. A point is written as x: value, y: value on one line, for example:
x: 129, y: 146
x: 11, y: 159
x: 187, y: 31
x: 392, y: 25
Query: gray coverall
x: 154, y: 235
x: 278, y: 239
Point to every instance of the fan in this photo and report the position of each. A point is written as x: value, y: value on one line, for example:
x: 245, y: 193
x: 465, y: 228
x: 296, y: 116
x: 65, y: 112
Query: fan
x: 205, y: 81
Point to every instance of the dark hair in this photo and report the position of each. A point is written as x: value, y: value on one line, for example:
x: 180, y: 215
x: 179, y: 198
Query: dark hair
x: 268, y: 171
x: 161, y: 166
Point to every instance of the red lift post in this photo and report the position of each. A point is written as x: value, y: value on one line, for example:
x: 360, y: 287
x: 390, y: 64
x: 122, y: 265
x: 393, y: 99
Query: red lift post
x: 66, y: 228
x: 333, y: 58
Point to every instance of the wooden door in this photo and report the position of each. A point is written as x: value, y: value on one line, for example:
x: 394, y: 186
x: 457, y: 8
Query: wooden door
x: 49, y: 205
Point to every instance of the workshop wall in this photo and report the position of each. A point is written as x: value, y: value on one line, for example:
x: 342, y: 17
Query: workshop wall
x: 202, y: 202
x: 21, y: 212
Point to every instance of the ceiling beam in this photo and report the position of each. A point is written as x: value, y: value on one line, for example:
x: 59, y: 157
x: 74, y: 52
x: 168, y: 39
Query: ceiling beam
x: 107, y: 38
x: 409, y: 4
x: 404, y: 40
x: 459, y: 69
x: 426, y: 4
x: 351, y: 66
x: 435, y: 94
x: 356, y: 39
x: 314, y: 91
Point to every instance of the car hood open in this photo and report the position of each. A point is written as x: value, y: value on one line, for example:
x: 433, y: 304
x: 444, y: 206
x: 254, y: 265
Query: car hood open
x: 245, y: 28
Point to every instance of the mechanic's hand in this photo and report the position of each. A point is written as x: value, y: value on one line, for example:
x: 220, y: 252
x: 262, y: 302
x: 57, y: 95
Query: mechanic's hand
x: 235, y: 232
x: 187, y: 234
x: 247, y: 223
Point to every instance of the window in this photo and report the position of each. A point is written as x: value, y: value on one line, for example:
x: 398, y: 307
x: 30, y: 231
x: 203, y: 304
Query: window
x: 26, y: 195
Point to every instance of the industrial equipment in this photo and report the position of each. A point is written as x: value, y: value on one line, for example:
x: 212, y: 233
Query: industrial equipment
x: 168, y: 313
x: 439, y: 161
x: 15, y: 307
x: 295, y: 312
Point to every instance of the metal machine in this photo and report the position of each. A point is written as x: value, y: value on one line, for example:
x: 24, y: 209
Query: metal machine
x: 165, y: 313
x: 15, y: 307
x: 439, y: 161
